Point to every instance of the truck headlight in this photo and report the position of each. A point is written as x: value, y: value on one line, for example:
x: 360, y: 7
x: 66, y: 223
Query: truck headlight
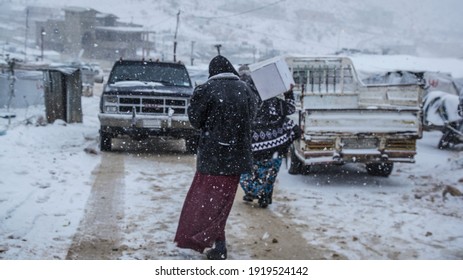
x: 110, y: 109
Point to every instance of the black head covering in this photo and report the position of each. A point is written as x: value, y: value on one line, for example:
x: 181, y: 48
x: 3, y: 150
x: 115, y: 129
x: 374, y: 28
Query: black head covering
x: 220, y: 64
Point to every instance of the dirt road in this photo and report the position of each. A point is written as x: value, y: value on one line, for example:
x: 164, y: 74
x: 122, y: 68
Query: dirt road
x: 111, y: 227
x: 99, y: 232
x: 272, y: 237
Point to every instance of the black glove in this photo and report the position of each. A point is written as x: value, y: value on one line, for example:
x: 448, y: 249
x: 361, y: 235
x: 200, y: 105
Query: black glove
x: 289, y: 94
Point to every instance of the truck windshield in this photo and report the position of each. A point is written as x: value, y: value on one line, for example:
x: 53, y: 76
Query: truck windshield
x: 166, y: 74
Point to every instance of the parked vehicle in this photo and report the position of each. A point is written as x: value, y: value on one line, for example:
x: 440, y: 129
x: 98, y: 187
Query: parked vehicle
x: 444, y: 111
x: 440, y: 101
x: 146, y: 98
x: 452, y: 135
x: 346, y: 121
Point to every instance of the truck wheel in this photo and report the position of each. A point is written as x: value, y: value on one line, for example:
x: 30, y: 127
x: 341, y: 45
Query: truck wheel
x: 296, y: 165
x: 105, y: 142
x: 380, y: 169
x: 191, y: 145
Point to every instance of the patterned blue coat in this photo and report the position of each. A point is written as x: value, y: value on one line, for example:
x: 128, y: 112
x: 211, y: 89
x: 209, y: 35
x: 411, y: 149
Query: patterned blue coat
x: 272, y: 130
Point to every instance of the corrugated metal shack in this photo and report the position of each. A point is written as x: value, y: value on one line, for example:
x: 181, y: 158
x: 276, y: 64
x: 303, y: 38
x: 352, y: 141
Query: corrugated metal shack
x: 59, y: 88
x: 63, y: 94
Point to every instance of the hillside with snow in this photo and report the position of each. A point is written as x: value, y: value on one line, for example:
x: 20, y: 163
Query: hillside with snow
x: 250, y: 30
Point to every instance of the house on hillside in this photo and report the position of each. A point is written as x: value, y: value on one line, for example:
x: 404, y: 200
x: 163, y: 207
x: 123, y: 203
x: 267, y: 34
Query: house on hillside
x: 97, y: 35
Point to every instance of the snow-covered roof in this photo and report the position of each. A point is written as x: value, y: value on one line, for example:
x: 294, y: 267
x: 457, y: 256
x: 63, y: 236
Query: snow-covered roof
x: 79, y: 9
x: 105, y: 15
x: 121, y: 29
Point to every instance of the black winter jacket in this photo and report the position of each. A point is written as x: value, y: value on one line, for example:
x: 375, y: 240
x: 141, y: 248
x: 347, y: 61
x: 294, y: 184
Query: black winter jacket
x: 223, y: 109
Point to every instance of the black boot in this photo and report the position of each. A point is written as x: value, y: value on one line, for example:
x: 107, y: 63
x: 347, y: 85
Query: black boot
x: 270, y: 194
x: 219, y: 252
x: 248, y: 197
x: 263, y: 201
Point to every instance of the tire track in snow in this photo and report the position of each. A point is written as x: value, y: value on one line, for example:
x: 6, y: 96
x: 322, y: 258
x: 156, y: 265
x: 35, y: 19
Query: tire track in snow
x: 98, y: 236
x: 268, y: 236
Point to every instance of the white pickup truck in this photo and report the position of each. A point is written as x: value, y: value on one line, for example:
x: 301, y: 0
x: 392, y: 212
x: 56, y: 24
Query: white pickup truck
x: 345, y: 121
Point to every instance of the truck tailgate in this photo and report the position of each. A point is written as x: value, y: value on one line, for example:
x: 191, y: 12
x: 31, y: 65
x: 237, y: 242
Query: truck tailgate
x: 362, y: 121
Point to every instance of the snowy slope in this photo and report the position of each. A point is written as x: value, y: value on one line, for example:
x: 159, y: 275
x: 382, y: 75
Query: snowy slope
x: 255, y: 28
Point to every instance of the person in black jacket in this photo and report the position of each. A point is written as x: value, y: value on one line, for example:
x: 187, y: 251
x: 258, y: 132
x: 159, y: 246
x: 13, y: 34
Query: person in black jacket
x: 272, y: 134
x: 222, y: 109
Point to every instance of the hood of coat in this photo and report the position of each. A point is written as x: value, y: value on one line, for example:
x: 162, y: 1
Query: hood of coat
x: 219, y: 65
x: 224, y: 76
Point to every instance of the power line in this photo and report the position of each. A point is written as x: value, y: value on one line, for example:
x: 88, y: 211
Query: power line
x: 244, y: 12
x: 241, y: 28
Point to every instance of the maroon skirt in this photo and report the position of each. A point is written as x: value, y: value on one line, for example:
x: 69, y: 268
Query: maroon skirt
x: 205, y: 211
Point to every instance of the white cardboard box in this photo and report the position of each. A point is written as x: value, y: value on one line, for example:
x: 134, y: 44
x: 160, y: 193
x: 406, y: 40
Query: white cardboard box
x: 271, y: 77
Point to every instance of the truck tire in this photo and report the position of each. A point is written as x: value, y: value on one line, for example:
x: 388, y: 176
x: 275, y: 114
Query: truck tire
x: 383, y: 169
x: 296, y: 166
x: 105, y: 142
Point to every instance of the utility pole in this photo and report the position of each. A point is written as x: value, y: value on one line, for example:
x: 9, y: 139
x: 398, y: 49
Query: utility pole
x: 218, y: 46
x: 12, y: 79
x: 25, y: 37
x: 175, y: 37
x: 42, y: 34
x: 192, y: 47
x: 254, y: 50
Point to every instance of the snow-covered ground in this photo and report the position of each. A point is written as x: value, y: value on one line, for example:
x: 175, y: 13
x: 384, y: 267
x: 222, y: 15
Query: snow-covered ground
x: 46, y: 178
x: 404, y: 216
x: 45, y: 182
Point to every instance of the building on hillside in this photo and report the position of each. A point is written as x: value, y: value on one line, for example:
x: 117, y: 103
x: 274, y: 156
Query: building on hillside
x: 94, y: 35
